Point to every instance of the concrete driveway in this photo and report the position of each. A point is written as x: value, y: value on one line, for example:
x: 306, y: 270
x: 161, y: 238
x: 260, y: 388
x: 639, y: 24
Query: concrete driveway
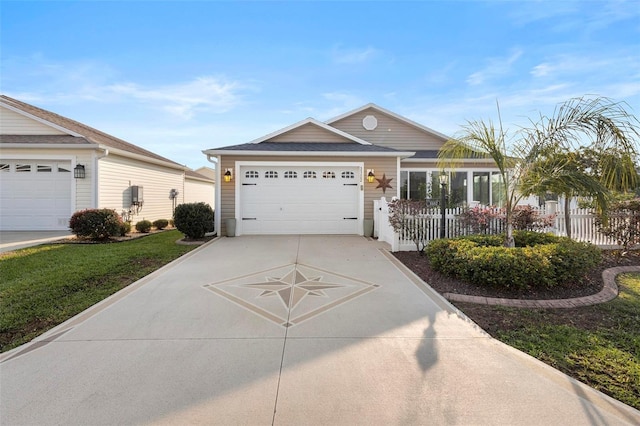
x: 286, y: 330
x: 13, y: 240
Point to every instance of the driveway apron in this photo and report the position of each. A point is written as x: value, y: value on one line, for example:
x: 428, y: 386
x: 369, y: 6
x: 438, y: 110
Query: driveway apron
x: 286, y: 330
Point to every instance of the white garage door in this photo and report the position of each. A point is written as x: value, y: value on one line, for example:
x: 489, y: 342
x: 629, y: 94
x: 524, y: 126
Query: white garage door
x: 300, y: 199
x: 35, y: 195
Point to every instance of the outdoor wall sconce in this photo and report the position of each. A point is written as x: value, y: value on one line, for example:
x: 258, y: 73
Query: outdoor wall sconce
x: 371, y: 175
x: 78, y: 171
x: 228, y: 174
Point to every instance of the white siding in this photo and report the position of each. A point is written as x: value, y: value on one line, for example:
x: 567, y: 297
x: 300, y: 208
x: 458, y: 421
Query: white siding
x: 196, y: 191
x: 117, y: 175
x: 12, y: 123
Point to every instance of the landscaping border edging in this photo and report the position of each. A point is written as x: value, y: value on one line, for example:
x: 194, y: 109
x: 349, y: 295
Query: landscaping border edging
x: 608, y: 292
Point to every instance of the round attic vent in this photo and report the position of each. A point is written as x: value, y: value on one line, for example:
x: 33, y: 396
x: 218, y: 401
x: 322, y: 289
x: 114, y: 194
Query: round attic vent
x: 369, y: 122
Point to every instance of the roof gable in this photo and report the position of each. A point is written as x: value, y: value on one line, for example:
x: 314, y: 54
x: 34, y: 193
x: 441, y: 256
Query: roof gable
x: 309, y: 130
x: 371, y: 107
x: 77, y: 129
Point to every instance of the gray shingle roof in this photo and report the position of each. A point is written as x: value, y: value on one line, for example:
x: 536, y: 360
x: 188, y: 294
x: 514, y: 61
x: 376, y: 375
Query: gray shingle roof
x: 91, y: 134
x: 306, y: 147
x: 45, y: 139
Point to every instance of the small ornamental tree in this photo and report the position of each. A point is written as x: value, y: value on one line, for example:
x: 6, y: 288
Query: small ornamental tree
x: 194, y: 219
x: 411, y: 219
x: 482, y: 220
x: 622, y: 223
x: 96, y: 224
x: 526, y: 218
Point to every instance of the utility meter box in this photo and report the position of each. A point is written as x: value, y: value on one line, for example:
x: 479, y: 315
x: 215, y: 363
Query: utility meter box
x: 137, y: 197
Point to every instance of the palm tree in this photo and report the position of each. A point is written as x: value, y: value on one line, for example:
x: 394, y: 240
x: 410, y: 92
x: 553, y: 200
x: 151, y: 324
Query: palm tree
x: 539, y: 158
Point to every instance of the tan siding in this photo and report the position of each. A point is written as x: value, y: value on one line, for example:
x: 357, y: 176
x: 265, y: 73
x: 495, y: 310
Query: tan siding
x: 116, y: 176
x: 308, y: 133
x: 381, y: 165
x: 390, y: 132
x: 196, y: 191
x: 83, y: 187
x: 12, y: 123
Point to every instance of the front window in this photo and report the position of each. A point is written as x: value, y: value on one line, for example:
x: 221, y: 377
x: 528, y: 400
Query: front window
x: 481, y: 188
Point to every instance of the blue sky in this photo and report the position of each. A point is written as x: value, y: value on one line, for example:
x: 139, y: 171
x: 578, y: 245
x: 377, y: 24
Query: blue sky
x: 180, y: 77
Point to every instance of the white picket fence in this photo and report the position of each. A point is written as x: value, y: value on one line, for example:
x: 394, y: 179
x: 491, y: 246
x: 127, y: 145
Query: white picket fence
x: 582, y: 226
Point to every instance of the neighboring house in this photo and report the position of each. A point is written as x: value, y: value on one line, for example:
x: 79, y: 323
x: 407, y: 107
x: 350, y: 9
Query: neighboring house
x: 322, y: 177
x: 52, y: 166
x: 198, y: 186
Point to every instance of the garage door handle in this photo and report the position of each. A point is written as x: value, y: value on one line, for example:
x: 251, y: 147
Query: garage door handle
x: 249, y: 184
x: 350, y: 184
x: 350, y: 218
x: 249, y: 218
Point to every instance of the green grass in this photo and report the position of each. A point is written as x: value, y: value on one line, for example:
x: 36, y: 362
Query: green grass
x: 598, y: 345
x: 43, y: 286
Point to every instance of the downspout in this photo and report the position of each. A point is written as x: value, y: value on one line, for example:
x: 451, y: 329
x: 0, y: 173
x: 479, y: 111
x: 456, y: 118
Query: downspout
x: 96, y: 186
x: 217, y: 198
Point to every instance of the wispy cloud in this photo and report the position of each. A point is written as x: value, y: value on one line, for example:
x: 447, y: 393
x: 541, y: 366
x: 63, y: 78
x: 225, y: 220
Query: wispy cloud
x: 574, y: 15
x: 89, y: 81
x: 353, y: 56
x: 184, y: 99
x: 496, y: 67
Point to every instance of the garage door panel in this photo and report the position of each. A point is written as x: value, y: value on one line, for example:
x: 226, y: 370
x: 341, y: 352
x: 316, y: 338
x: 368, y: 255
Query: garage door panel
x: 35, y: 200
x: 298, y: 205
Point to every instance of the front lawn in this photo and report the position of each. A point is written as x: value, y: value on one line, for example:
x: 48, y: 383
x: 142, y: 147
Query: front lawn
x: 44, y: 286
x: 598, y: 345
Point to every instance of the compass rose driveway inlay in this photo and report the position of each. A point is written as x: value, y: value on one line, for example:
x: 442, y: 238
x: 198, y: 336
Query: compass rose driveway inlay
x: 291, y: 294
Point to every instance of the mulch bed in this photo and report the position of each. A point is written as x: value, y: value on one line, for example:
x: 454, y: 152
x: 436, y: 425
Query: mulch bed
x: 583, y: 286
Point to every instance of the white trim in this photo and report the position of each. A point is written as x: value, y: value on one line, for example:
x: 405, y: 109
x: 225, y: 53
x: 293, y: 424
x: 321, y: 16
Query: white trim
x: 391, y: 114
x: 435, y: 160
x: 40, y: 120
x: 311, y: 153
x: 314, y: 122
x: 237, y: 185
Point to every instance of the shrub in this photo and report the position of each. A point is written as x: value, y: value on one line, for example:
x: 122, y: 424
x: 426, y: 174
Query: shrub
x: 160, y: 223
x: 143, y: 226
x: 96, y: 224
x: 194, y: 219
x: 532, y: 238
x: 125, y: 228
x: 484, y: 261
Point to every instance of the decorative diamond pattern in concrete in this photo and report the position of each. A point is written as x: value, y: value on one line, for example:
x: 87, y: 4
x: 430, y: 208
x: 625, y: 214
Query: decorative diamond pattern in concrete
x: 290, y: 294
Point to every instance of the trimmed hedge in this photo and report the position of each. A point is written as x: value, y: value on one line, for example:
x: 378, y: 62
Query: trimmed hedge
x: 96, y: 224
x: 537, y: 260
x: 160, y: 223
x: 143, y: 226
x: 193, y: 219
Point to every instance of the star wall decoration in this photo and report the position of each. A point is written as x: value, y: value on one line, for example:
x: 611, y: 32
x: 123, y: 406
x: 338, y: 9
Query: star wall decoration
x: 384, y: 183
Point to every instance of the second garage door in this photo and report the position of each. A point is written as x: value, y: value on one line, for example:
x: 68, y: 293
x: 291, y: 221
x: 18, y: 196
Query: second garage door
x: 35, y: 195
x: 311, y: 199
